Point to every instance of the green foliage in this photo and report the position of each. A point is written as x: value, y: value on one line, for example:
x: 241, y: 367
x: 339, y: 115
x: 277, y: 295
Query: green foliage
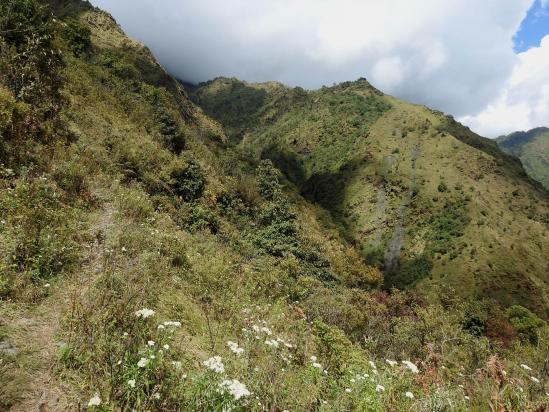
x: 268, y: 180
x: 525, y: 323
x: 170, y: 131
x: 29, y: 62
x: 188, y: 181
x: 41, y: 240
x: 119, y: 66
x: 278, y: 232
x: 197, y: 218
x: 78, y: 36
x: 409, y: 271
x: 447, y: 225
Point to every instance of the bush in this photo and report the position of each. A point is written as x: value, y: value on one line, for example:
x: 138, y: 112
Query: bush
x: 41, y: 238
x: 268, y: 180
x: 200, y: 218
x: 525, y: 323
x: 30, y: 65
x: 119, y: 67
x: 188, y: 181
x: 170, y: 131
x: 78, y: 36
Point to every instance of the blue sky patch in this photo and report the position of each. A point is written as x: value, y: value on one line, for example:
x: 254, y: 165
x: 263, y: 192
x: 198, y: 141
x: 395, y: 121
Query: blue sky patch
x: 533, y: 28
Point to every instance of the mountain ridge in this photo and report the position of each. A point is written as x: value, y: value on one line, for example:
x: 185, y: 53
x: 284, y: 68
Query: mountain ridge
x: 531, y: 147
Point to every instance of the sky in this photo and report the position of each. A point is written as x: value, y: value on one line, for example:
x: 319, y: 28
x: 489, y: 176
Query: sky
x: 484, y: 61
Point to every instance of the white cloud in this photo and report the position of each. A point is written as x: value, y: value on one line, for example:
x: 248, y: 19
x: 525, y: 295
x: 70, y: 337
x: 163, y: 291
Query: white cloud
x: 453, y: 55
x: 524, y: 100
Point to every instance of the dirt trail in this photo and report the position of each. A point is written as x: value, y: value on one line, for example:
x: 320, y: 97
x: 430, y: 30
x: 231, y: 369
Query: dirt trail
x: 36, y: 331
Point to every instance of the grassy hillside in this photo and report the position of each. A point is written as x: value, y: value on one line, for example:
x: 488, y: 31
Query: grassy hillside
x: 532, y: 148
x: 425, y: 199
x: 150, y: 260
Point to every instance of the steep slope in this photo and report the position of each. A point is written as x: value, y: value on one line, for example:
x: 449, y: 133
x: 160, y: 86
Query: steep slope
x: 427, y: 200
x: 532, y: 148
x: 147, y: 264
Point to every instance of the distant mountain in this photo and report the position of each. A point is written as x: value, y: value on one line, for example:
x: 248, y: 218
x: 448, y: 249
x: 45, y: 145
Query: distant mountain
x: 532, y: 148
x: 424, y: 198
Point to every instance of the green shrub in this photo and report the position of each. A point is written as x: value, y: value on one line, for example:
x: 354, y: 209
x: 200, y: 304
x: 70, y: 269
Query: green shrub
x: 30, y: 65
x: 188, y: 181
x: 44, y: 232
x: 117, y: 64
x: 268, y: 180
x: 174, y: 138
x: 525, y: 323
x: 200, y: 218
x: 78, y: 36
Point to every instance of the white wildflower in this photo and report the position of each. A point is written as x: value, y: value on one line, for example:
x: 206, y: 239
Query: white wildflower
x: 95, y: 400
x: 123, y: 249
x: 160, y: 327
x: 156, y: 395
x: 313, y: 358
x: 410, y: 366
x: 215, y: 364
x: 466, y: 398
x: 353, y: 380
x: 534, y: 379
x: 272, y: 342
x: 380, y: 388
x: 266, y: 330
x: 177, y: 364
x: 372, y: 364
x: 125, y: 334
x: 173, y: 323
x: 144, y: 313
x: 391, y: 362
x: 409, y: 395
x: 166, y: 346
x: 348, y: 390
x: 235, y: 388
x: 150, y: 343
x: 526, y: 367
x: 316, y: 365
x: 233, y: 346
x: 131, y: 383
x: 152, y: 357
x: 143, y: 362
x: 47, y: 285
